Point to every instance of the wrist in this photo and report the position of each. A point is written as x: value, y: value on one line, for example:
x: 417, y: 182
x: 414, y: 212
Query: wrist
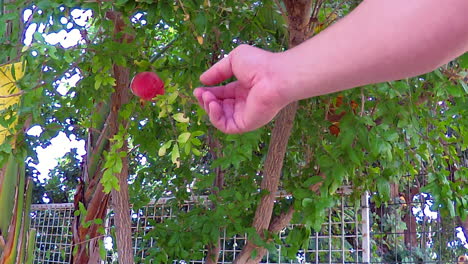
x: 283, y: 76
x: 309, y: 70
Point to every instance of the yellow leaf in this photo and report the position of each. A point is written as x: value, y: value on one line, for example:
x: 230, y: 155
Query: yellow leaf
x: 200, y: 40
x: 9, y: 75
x: 319, y: 28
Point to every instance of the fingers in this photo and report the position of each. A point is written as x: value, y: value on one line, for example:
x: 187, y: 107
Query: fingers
x: 205, y: 98
x: 228, y: 91
x: 215, y: 112
x: 222, y: 116
x: 205, y: 95
x: 220, y: 111
x: 219, y: 72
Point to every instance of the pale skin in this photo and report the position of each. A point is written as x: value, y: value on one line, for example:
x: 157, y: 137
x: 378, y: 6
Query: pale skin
x: 379, y: 41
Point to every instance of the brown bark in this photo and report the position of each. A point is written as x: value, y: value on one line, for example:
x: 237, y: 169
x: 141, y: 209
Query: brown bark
x: 120, y: 198
x: 271, y: 177
x: 213, y: 249
x: 122, y: 217
x: 277, y: 224
x: 410, y: 220
x: 298, y: 19
x: 394, y: 190
x: 85, y: 239
x: 212, y: 254
x: 90, y: 190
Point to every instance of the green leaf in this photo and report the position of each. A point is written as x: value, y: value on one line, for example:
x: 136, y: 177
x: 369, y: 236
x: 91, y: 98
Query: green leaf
x: 464, y: 85
x: 450, y: 207
x: 184, y: 137
x: 307, y: 201
x: 102, y: 249
x: 172, y: 97
x: 98, y: 82
x: 383, y: 187
x: 179, y: 117
x: 198, y: 133
x: 353, y: 156
x: 254, y: 254
x: 196, y: 152
x: 455, y: 90
x: 87, y: 224
x: 463, y: 60
x: 195, y: 141
x: 175, y: 154
x: 200, y: 22
x: 163, y: 149
x: 44, y: 4
x: 187, y: 148
x: 312, y: 180
x: 6, y: 147
x: 82, y: 209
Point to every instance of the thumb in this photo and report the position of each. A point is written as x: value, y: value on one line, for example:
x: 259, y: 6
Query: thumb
x: 219, y: 72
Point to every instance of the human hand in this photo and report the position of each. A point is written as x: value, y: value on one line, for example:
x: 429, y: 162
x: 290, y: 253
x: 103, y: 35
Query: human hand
x: 249, y: 102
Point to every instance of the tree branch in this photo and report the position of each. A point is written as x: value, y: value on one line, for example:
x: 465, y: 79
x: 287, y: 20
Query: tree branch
x: 214, y: 248
x: 163, y: 50
x: 298, y: 18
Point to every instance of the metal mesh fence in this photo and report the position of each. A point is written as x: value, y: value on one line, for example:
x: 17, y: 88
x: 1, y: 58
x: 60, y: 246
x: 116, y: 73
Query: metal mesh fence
x: 402, y: 231
x: 411, y: 231
x: 339, y: 241
x: 53, y: 224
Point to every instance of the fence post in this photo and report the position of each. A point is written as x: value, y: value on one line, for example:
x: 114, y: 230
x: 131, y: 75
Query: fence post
x: 365, y: 227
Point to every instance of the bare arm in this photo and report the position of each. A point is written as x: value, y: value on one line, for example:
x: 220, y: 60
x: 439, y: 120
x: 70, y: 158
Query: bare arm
x: 379, y: 41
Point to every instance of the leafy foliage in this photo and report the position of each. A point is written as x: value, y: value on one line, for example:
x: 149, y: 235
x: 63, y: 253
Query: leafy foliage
x: 399, y: 131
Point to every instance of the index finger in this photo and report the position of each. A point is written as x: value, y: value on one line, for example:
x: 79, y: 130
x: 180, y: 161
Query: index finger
x: 219, y: 72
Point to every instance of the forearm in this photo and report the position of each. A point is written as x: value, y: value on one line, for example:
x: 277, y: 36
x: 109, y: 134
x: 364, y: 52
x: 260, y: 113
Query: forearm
x: 379, y: 41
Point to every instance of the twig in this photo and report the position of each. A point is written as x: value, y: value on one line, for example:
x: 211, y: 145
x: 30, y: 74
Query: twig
x: 11, y: 61
x: 86, y: 241
x: 163, y: 50
x: 11, y: 95
x: 333, y: 11
x: 183, y: 8
x: 363, y: 101
x: 282, y: 11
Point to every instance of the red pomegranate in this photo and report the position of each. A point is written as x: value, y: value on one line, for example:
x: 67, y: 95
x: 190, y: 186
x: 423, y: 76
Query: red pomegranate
x: 147, y: 85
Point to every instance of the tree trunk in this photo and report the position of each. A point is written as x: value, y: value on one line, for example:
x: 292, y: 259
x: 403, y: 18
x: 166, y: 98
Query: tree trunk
x: 213, y: 249
x: 298, y: 19
x: 120, y: 198
x: 122, y: 217
x: 411, y: 240
x: 90, y: 190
